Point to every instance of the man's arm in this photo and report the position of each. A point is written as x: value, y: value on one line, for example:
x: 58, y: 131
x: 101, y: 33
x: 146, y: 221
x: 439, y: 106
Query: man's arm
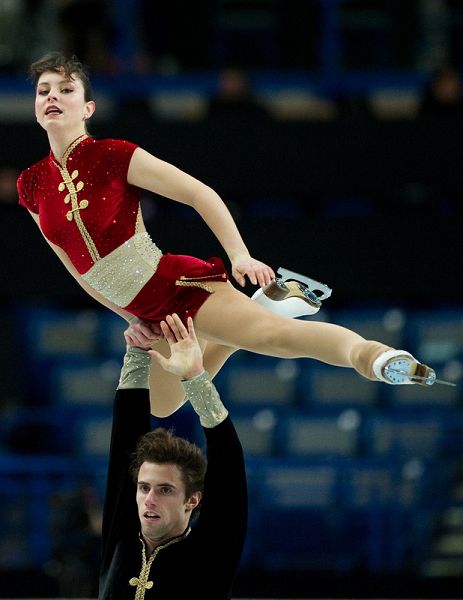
x: 222, y: 535
x: 131, y: 419
x: 186, y: 361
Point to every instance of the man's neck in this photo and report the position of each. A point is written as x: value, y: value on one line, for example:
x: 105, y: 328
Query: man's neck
x: 151, y: 545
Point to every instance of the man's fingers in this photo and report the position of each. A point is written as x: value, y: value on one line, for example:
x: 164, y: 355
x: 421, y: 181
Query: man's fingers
x: 177, y: 327
x: 167, y: 331
x: 180, y: 326
x: 191, y: 330
x: 175, y: 331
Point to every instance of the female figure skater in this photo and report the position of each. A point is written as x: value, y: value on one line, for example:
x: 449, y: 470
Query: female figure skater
x: 84, y: 198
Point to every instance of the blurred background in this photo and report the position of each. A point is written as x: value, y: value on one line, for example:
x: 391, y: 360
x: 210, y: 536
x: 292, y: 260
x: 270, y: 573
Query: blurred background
x: 333, y: 131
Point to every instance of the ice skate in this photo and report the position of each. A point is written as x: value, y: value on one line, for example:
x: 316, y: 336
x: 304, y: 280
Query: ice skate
x: 398, y: 367
x: 292, y: 295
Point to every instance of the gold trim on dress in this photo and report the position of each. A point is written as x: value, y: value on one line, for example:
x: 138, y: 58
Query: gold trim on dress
x: 76, y: 206
x: 199, y: 281
x: 198, y: 284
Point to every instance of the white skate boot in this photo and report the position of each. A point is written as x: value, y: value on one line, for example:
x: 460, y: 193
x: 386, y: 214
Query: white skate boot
x: 398, y: 367
x: 292, y: 295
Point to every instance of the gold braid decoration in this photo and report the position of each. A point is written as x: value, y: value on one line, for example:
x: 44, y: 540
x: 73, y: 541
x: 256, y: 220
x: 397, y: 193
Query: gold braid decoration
x: 141, y: 582
x: 71, y: 147
x: 76, y: 206
x: 196, y: 282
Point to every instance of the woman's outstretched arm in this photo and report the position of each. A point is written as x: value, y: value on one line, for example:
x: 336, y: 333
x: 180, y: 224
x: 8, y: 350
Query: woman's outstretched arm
x: 148, y: 172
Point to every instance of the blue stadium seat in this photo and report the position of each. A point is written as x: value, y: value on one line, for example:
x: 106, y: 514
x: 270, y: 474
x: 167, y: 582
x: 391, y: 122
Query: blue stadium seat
x: 388, y: 506
x: 93, y: 435
x: 387, y: 324
x: 54, y: 333
x: 324, y: 386
x: 110, y: 338
x: 298, y: 522
x: 437, y: 335
x: 308, y: 435
x: 265, y: 382
x: 85, y: 382
x: 404, y: 435
x: 421, y: 397
x: 28, y: 485
x: 256, y: 428
x: 42, y: 431
x: 381, y: 481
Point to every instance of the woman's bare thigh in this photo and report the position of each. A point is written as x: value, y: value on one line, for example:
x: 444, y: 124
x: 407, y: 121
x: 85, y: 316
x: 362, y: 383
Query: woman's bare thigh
x: 231, y: 318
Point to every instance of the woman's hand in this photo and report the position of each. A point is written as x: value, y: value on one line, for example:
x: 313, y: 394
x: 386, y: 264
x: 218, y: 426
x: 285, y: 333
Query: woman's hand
x: 142, y: 334
x: 258, y: 272
x: 186, y: 358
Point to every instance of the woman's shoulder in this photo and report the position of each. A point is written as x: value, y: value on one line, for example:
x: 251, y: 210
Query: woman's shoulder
x: 33, y: 171
x: 115, y: 154
x: 115, y: 144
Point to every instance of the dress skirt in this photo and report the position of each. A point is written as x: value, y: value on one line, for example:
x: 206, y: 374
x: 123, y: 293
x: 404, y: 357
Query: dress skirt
x: 179, y: 285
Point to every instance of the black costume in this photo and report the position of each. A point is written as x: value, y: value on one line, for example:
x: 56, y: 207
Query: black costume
x: 200, y: 564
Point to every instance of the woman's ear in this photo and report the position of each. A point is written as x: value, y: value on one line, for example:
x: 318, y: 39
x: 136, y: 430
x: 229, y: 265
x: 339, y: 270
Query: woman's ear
x: 90, y: 108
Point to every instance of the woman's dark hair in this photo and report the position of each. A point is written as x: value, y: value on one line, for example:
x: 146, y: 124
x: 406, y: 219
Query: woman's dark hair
x: 70, y: 66
x: 161, y: 446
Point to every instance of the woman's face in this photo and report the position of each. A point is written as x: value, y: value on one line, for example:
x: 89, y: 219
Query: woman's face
x: 60, y: 103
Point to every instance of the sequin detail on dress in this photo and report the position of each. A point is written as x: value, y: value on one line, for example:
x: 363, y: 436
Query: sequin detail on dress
x: 120, y: 275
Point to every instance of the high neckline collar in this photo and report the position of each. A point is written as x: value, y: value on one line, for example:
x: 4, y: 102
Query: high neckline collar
x: 69, y: 150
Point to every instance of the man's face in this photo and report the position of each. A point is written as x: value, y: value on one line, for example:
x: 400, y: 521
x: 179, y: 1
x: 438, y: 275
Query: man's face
x: 163, y: 510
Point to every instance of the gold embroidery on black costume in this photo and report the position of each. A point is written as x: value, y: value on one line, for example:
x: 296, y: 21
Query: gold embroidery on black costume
x: 141, y: 581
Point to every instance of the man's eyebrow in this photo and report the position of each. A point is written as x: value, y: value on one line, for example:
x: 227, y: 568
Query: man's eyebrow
x: 165, y: 484
x: 59, y: 82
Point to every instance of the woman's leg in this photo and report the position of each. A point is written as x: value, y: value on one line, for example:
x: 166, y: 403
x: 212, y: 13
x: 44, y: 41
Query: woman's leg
x: 229, y: 317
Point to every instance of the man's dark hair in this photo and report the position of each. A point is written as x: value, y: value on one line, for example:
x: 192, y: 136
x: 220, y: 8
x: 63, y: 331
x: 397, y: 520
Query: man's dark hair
x: 161, y: 446
x: 59, y: 62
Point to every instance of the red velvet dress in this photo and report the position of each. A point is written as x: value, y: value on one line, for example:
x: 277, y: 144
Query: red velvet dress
x: 87, y: 208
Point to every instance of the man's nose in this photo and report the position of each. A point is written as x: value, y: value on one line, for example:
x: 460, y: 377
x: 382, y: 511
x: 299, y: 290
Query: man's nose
x: 150, y: 499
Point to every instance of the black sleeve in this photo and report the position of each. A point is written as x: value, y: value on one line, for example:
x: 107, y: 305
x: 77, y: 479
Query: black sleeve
x: 222, y: 522
x: 131, y: 419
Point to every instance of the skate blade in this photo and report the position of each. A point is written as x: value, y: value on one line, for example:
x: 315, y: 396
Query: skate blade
x: 313, y: 285
x: 418, y: 378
